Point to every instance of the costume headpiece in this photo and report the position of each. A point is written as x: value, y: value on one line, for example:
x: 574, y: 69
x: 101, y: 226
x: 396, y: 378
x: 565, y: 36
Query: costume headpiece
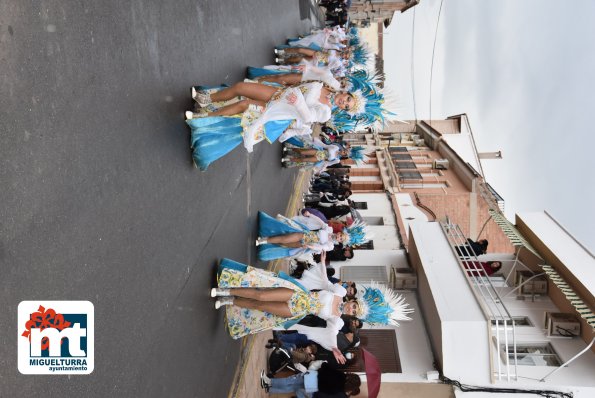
x: 373, y: 113
x: 380, y: 305
x: 358, y: 233
x: 359, y: 105
x: 357, y: 154
x: 360, y: 54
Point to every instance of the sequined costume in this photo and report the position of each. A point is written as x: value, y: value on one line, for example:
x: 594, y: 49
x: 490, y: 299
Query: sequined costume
x: 314, y: 241
x: 242, y: 321
x: 215, y: 136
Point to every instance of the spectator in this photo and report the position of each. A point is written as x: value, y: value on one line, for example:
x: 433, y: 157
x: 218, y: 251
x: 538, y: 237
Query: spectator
x: 489, y: 267
x: 472, y: 248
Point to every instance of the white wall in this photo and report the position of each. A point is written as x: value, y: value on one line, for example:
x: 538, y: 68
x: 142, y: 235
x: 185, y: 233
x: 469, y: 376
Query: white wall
x: 375, y: 257
x: 408, y: 211
x: 378, y: 205
x: 580, y: 372
x: 385, y: 236
x: 414, y: 347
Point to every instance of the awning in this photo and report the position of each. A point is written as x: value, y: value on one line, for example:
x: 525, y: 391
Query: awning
x: 516, y: 238
x: 578, y: 304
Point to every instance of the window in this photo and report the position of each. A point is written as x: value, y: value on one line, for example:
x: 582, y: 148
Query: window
x: 409, y: 175
x: 405, y: 165
x: 359, y: 205
x: 532, y: 354
x: 518, y: 321
x: 365, y: 246
x: 401, y: 156
x: 397, y: 149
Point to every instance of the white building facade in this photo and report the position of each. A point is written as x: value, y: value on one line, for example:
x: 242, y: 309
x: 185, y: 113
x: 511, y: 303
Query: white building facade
x: 462, y: 326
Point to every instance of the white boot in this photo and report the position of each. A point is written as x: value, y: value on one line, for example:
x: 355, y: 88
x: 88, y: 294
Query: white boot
x: 223, y: 301
x: 261, y: 241
x: 265, y: 381
x: 219, y: 292
x: 192, y: 115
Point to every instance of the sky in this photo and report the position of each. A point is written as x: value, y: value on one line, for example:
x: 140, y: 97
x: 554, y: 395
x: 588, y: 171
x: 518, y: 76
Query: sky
x: 523, y: 72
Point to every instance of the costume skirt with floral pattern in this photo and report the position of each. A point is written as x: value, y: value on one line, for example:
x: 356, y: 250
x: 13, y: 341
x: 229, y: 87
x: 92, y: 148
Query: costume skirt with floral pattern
x: 242, y: 321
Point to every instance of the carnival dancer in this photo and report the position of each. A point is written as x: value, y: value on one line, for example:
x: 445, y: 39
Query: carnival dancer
x: 312, y: 153
x: 264, y: 112
x: 324, y: 39
x: 259, y: 300
x: 294, y: 74
x: 338, y: 61
x: 284, y: 237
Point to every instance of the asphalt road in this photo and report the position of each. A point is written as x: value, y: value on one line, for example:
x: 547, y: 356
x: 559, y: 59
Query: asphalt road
x: 99, y: 200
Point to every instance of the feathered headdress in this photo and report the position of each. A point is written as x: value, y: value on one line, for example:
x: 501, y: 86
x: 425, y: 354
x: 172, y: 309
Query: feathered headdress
x: 360, y: 54
x: 358, y: 233
x: 373, y: 113
x: 380, y: 305
x: 357, y: 154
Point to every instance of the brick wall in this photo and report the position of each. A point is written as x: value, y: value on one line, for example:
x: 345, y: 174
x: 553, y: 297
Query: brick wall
x: 457, y: 207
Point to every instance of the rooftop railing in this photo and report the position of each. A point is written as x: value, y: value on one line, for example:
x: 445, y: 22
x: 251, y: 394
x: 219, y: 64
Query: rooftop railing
x: 501, y: 323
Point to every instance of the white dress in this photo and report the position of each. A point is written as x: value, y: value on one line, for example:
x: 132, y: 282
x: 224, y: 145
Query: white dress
x: 305, y: 110
x: 321, y: 73
x: 310, y: 72
x: 327, y: 39
x: 315, y: 278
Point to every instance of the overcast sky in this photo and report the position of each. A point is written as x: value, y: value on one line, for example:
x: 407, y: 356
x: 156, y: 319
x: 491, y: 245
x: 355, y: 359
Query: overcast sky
x: 523, y: 72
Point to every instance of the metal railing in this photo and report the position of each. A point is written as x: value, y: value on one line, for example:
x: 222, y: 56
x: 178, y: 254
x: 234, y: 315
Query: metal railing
x: 490, y: 302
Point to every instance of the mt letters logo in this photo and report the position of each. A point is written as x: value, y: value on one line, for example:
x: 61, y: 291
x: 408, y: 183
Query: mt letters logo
x: 56, y: 337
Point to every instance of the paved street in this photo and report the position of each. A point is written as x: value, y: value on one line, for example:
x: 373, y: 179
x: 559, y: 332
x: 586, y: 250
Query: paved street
x: 99, y: 200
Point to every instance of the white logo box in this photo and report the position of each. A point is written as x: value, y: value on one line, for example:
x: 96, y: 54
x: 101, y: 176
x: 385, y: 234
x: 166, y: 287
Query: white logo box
x: 80, y: 362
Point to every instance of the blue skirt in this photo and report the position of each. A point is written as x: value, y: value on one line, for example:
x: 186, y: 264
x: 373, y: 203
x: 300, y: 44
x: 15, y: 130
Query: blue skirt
x: 269, y: 226
x: 254, y: 73
x: 213, y: 137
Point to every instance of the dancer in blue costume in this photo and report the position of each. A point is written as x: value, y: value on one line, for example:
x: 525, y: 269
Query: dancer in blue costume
x: 259, y: 300
x: 336, y: 60
x: 324, y: 39
x: 294, y: 74
x: 262, y: 112
x: 312, y: 153
x: 284, y: 237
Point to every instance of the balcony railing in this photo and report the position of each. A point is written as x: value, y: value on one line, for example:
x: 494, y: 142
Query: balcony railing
x: 503, y: 331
